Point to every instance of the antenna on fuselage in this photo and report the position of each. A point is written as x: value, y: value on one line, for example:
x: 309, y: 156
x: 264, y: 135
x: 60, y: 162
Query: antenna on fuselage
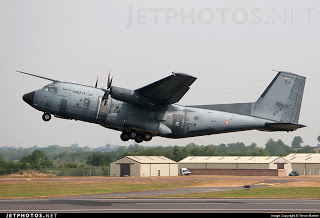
x: 42, y: 77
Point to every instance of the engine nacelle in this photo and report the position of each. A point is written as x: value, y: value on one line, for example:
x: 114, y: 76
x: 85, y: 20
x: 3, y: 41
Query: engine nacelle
x: 128, y: 96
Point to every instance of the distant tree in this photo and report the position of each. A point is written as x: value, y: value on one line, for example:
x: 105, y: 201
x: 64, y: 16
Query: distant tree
x: 209, y: 150
x: 277, y: 148
x: 2, y: 163
x: 253, y: 150
x: 195, y: 151
x: 257, y: 152
x: 252, y: 146
x: 307, y: 149
x: 191, y: 146
x: 222, y: 149
x: 236, y: 149
x: 98, y: 159
x: 169, y: 153
x: 37, y: 160
x: 70, y: 165
x: 186, y: 151
x: 296, y: 142
x: 177, y: 153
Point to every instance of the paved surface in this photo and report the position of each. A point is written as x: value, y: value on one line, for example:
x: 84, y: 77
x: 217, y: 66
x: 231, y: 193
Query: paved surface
x: 127, y: 202
x: 96, y: 205
x: 160, y: 193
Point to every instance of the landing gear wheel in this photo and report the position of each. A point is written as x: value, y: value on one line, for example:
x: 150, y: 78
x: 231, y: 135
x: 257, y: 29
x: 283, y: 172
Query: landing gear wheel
x: 124, y: 136
x: 147, y: 136
x: 133, y: 134
x: 138, y: 139
x: 46, y: 117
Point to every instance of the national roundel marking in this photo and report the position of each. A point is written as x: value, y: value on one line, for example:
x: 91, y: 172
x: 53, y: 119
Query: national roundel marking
x: 227, y: 122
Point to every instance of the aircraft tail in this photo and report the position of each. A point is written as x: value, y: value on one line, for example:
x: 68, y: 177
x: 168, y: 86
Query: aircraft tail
x: 281, y: 101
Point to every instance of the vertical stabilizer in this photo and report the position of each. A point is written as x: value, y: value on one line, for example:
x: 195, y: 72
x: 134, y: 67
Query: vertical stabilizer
x: 281, y: 101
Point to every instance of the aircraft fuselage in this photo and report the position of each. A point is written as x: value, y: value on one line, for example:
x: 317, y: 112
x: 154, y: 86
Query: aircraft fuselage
x: 79, y: 102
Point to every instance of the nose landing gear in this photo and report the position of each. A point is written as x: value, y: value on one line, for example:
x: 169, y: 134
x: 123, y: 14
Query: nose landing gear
x: 137, y: 137
x: 46, y: 117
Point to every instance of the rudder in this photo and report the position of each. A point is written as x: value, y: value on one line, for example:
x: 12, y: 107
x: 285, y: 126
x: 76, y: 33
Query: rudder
x: 281, y: 101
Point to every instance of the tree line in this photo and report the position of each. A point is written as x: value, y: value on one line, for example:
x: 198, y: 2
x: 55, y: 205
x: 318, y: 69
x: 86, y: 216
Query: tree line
x: 81, y: 157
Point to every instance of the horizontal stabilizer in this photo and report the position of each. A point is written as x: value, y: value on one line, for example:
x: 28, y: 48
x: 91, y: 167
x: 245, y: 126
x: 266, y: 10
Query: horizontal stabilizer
x: 289, y: 127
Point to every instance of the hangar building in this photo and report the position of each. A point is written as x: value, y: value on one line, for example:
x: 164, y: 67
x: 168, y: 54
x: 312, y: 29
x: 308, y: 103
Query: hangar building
x: 305, y: 164
x: 144, y: 166
x: 237, y: 165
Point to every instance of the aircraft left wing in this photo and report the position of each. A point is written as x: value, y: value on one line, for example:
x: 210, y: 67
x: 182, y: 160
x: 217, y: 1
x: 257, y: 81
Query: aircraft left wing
x: 168, y: 90
x: 42, y: 77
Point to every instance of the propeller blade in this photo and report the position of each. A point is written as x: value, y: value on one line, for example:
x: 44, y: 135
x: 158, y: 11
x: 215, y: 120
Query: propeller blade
x: 109, y: 85
x: 99, y: 105
x: 97, y: 82
x: 107, y: 91
x: 106, y: 95
x: 108, y: 79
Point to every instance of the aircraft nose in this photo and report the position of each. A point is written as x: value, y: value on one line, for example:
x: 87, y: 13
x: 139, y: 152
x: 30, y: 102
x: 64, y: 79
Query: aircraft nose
x: 29, y: 98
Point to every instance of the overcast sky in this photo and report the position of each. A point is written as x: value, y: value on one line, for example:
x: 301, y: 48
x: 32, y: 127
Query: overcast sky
x: 230, y: 46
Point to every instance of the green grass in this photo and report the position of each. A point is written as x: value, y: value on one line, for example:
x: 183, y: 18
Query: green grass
x: 270, y: 192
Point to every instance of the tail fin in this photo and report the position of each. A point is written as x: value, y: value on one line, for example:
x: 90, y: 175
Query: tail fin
x: 281, y: 101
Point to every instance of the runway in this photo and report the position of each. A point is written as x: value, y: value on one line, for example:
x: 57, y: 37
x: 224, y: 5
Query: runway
x: 103, y: 205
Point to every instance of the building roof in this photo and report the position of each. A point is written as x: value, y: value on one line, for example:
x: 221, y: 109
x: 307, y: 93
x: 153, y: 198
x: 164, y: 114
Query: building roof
x: 303, y: 158
x: 151, y: 159
x: 233, y: 159
x: 316, y: 155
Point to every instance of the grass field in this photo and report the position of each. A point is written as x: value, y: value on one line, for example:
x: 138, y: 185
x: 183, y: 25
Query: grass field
x: 36, y: 189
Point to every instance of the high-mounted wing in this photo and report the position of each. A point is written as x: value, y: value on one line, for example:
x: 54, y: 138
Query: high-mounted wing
x: 168, y: 90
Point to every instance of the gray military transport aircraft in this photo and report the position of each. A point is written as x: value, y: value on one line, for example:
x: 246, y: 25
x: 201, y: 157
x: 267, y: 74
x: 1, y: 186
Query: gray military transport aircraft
x: 151, y: 110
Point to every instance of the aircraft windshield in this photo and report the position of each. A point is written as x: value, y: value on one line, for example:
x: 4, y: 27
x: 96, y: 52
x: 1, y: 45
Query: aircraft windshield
x: 50, y: 88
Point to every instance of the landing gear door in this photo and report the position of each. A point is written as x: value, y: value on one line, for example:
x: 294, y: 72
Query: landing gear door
x: 115, y: 119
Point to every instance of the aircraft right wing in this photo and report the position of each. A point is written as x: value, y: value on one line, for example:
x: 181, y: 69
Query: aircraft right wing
x: 168, y: 90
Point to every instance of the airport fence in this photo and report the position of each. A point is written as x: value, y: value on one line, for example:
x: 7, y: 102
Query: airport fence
x: 95, y: 171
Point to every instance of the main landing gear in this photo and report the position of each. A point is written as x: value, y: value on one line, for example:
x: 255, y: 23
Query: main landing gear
x: 46, y: 117
x: 137, y: 137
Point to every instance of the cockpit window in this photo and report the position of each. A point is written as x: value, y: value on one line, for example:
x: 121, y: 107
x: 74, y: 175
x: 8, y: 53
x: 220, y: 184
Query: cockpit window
x: 50, y: 88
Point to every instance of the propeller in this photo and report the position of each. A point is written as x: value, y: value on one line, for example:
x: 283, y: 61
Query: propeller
x: 104, y: 98
x: 97, y: 82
